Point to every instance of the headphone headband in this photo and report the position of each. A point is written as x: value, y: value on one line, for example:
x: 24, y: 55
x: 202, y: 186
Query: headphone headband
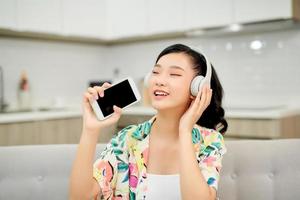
x: 207, y: 77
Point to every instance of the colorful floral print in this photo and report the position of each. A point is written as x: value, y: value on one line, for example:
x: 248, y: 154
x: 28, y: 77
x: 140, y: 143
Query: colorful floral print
x: 121, y: 169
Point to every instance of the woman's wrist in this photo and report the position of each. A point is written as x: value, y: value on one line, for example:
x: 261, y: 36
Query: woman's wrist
x: 90, y: 135
x: 185, y: 135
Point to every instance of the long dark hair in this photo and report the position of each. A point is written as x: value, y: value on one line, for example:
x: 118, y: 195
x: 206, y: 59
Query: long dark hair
x: 213, y: 116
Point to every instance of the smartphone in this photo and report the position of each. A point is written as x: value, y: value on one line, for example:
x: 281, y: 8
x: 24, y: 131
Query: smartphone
x: 122, y: 94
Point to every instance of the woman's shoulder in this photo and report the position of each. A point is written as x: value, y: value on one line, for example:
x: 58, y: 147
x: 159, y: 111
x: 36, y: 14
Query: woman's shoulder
x: 207, y: 136
x: 135, y: 131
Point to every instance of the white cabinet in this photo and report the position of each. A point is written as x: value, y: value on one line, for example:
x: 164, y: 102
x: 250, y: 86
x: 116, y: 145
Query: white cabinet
x: 125, y: 18
x: 84, y: 18
x: 39, y: 16
x: 8, y: 14
x: 115, y: 19
x: 165, y: 16
x: 261, y: 10
x: 207, y: 13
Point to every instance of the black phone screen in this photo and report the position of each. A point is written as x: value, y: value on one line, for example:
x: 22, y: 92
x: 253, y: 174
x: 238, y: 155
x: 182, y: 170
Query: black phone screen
x: 120, y: 95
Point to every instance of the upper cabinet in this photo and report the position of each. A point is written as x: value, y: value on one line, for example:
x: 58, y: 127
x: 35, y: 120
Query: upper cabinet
x: 8, y: 14
x: 84, y: 18
x: 165, y: 16
x: 109, y: 20
x: 39, y: 16
x: 207, y: 13
x: 246, y: 11
x: 125, y: 18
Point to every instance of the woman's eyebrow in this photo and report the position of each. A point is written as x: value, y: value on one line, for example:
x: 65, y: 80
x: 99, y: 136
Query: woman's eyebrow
x: 172, y: 66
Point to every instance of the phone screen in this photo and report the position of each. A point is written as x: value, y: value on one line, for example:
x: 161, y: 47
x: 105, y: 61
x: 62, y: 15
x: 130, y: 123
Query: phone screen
x: 120, y: 95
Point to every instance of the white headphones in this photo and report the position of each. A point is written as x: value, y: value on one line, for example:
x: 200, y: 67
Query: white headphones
x: 198, y: 81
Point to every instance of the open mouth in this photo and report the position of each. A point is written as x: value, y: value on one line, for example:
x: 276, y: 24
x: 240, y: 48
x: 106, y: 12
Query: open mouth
x: 160, y: 93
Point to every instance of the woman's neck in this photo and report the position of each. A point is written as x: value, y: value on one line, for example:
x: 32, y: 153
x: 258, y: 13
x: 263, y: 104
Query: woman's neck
x: 166, y: 124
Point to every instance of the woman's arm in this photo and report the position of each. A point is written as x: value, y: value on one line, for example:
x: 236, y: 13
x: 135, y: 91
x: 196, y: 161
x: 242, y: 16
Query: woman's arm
x: 192, y: 183
x: 82, y: 184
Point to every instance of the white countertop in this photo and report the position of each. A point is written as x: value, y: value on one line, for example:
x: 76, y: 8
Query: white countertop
x: 252, y: 113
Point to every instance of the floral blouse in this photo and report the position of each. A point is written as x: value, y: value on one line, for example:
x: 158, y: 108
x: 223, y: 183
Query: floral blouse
x: 121, y: 169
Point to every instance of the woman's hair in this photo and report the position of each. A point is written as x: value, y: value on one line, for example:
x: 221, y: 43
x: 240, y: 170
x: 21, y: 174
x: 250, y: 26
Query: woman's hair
x: 213, y: 116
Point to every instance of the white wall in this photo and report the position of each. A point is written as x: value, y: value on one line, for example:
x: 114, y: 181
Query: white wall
x: 270, y: 76
x: 266, y: 77
x: 54, y: 69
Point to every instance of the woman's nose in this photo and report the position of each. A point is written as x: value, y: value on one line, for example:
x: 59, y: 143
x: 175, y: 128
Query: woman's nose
x: 160, y: 81
x: 159, y: 84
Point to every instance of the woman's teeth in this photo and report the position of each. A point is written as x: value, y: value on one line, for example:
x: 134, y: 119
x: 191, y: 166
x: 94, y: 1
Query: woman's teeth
x: 159, y: 93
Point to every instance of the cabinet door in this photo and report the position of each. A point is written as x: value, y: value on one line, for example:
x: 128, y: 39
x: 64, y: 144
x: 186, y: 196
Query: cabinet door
x: 23, y: 133
x: 39, y: 16
x: 208, y: 13
x: 126, y: 18
x: 84, y: 18
x: 260, y: 10
x: 165, y: 16
x: 8, y: 14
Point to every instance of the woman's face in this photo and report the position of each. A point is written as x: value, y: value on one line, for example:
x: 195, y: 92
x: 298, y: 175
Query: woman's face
x: 169, y: 83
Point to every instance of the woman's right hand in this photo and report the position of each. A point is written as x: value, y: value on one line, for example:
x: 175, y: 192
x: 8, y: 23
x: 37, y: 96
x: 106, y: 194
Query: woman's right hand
x: 90, y: 121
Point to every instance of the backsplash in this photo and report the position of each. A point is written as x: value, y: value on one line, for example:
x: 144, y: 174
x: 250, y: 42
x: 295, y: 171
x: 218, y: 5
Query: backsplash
x: 57, y: 71
x: 260, y: 69
x: 269, y: 75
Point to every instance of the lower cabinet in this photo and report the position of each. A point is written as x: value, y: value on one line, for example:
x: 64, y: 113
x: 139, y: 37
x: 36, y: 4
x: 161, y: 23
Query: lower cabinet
x: 285, y: 127
x: 68, y: 130
x: 58, y: 131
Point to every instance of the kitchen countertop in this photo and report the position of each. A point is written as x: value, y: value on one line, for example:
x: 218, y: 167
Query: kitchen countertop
x: 242, y: 113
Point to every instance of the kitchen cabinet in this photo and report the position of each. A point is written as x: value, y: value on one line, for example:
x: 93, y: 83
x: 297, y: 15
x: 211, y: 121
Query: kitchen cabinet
x: 8, y: 15
x: 39, y: 16
x: 207, y: 13
x: 54, y: 131
x: 165, y: 16
x: 125, y: 18
x: 112, y: 20
x: 286, y: 127
x: 246, y: 11
x: 84, y: 18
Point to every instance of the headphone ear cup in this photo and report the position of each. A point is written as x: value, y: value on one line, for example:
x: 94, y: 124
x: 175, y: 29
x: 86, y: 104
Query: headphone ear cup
x: 146, y: 79
x: 195, y: 85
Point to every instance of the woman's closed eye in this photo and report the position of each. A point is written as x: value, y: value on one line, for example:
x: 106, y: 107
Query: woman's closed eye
x: 154, y: 72
x: 175, y: 74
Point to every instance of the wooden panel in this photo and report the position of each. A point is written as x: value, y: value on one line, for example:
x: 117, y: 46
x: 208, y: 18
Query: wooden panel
x: 253, y: 128
x: 60, y: 131
x: 19, y: 134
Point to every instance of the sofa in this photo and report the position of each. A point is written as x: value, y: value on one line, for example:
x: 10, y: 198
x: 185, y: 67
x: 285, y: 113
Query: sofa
x: 252, y: 170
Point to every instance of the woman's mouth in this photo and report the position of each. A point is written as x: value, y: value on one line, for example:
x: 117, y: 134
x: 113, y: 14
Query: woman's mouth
x: 160, y: 93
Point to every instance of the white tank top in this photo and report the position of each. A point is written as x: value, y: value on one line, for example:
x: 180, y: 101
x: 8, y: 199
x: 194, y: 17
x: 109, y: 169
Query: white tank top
x: 165, y: 187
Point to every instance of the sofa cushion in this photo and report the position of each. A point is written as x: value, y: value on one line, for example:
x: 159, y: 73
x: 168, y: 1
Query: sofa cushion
x: 260, y: 170
x: 252, y: 169
x: 37, y: 171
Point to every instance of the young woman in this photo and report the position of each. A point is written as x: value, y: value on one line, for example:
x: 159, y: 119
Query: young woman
x: 175, y: 155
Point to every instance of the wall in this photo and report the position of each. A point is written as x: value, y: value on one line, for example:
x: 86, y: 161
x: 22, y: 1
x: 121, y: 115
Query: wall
x: 55, y: 69
x: 266, y: 77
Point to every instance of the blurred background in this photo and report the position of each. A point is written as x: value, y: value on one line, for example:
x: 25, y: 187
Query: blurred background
x: 52, y: 50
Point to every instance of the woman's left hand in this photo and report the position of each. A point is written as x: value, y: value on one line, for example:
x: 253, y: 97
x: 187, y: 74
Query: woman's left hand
x: 196, y: 109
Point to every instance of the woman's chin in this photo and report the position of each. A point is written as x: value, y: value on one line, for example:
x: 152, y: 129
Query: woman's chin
x: 158, y: 106
x: 161, y: 106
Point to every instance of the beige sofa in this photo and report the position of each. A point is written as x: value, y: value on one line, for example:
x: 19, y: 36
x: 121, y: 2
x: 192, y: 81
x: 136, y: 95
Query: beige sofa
x: 252, y: 170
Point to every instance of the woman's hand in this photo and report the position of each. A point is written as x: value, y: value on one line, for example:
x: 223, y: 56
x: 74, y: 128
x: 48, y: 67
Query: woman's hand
x: 90, y: 121
x: 194, y: 112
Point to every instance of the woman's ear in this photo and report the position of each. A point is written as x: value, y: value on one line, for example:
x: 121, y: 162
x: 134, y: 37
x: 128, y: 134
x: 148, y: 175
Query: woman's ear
x: 192, y: 97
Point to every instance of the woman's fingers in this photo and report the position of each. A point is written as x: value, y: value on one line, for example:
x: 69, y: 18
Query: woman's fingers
x: 205, y: 99
x: 101, y: 89
x: 115, y: 116
x: 98, y: 90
